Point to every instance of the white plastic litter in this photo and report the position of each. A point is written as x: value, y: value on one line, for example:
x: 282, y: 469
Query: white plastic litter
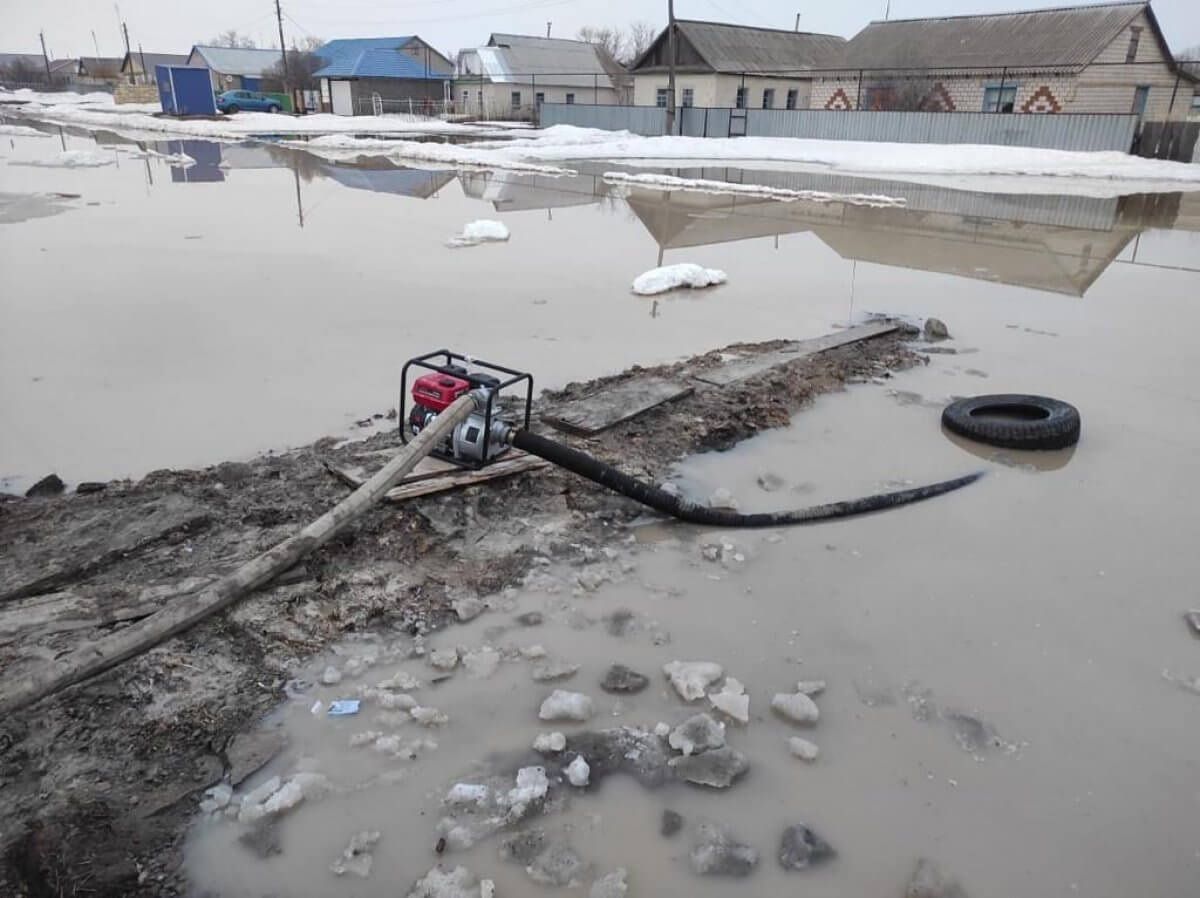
x: 578, y: 772
x: 563, y: 705
x: 343, y: 707
x: 691, y: 678
x: 549, y: 742
x: 671, y: 277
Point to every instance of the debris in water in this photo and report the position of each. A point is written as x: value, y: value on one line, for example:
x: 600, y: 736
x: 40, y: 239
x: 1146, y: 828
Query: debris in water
x: 935, y: 329
x: 611, y: 886
x: 662, y: 730
x: 718, y: 854
x: 771, y: 482
x: 972, y: 734
x: 722, y: 498
x: 389, y: 701
x: 481, y: 663
x: 696, y: 734
x: 552, y: 669
x: 444, y: 659
x: 533, y: 651
x: 800, y: 847
x: 563, y: 705
x: 532, y: 784
x: 928, y: 881
x: 331, y: 676
x: 356, y: 858
x: 628, y: 750
x: 549, y: 742
x: 717, y: 768
x: 811, y: 687
x: 343, y: 707
x: 798, y: 707
x: 438, y: 883
x: 691, y: 678
x: 217, y: 798
x: 621, y: 680
x: 530, y: 619
x: 578, y: 772
x: 672, y: 822
x: 732, y: 700
x: 803, y: 749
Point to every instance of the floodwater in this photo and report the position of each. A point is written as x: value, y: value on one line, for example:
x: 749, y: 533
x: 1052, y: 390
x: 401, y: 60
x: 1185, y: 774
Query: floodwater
x: 264, y: 297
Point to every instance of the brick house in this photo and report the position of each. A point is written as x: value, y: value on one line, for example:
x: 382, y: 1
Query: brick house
x: 1104, y: 58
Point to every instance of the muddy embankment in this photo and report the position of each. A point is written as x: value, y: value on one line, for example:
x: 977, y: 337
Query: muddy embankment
x: 98, y: 783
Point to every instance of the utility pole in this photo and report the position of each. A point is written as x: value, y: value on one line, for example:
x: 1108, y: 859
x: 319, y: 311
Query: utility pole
x: 45, y: 55
x: 670, y: 66
x: 287, y: 78
x: 95, y: 43
x: 128, y: 52
x: 145, y: 74
x: 548, y: 24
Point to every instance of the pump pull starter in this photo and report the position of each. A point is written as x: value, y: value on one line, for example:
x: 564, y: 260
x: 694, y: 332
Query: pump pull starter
x: 500, y: 422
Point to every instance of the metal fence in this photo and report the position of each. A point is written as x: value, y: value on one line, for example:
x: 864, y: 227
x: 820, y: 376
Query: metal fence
x: 1060, y: 132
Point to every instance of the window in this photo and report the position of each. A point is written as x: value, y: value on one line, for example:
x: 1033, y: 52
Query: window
x: 1135, y: 35
x: 660, y: 98
x: 740, y: 102
x: 791, y: 98
x: 1140, y: 96
x: 768, y: 98
x: 466, y: 97
x: 689, y: 97
x: 999, y: 99
x: 539, y: 98
x: 516, y: 99
x: 570, y: 99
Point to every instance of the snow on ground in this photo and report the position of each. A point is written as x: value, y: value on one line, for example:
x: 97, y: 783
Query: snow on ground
x: 482, y: 231
x: 669, y: 182
x: 343, y: 148
x: 7, y: 130
x: 671, y: 277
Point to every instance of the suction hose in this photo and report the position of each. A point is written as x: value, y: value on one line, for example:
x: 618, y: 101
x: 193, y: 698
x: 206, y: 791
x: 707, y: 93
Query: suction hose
x: 660, y: 500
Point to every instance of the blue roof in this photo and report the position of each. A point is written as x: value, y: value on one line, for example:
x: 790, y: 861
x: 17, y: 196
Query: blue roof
x: 353, y: 46
x: 379, y: 63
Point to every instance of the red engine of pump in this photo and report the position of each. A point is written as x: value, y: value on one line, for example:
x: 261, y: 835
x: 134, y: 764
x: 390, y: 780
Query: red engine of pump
x: 437, y: 391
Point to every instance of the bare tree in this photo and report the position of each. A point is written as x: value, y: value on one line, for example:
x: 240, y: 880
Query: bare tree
x: 231, y: 38
x: 641, y: 36
x: 1189, y: 60
x: 611, y: 40
x: 301, y: 65
x: 22, y: 71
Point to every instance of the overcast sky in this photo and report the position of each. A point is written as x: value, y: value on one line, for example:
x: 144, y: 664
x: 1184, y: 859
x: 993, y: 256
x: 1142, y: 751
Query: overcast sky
x: 167, y: 26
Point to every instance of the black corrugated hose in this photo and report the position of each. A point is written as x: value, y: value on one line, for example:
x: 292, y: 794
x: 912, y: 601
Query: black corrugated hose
x: 606, y: 475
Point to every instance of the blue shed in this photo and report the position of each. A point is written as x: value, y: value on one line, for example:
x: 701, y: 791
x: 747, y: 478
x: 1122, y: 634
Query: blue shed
x: 185, y: 91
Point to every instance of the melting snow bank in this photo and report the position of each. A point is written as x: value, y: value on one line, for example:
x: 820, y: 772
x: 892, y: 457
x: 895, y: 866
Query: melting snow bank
x: 481, y: 231
x: 671, y: 277
x: 343, y: 148
x: 20, y: 131
x: 73, y: 159
x: 670, y: 182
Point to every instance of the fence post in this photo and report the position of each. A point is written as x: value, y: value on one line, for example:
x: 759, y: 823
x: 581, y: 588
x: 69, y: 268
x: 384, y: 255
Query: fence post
x: 1000, y: 93
x: 595, y: 88
x: 858, y: 95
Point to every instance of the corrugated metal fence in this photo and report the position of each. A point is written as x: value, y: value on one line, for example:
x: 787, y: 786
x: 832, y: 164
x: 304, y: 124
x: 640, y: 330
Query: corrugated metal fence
x: 1059, y: 132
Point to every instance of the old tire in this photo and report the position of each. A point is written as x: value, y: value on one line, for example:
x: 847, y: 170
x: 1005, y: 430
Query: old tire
x: 272, y: 109
x: 231, y: 110
x: 1014, y: 421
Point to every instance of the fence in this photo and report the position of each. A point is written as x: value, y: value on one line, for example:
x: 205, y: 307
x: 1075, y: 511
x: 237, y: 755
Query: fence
x: 1060, y: 132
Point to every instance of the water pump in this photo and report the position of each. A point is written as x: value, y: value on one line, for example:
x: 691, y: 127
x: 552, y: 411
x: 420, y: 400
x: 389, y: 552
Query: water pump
x: 485, y: 434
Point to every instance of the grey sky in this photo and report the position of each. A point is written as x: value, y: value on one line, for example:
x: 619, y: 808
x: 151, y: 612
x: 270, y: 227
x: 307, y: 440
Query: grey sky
x: 166, y: 26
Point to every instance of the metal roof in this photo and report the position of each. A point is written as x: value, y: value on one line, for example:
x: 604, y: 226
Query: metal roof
x: 739, y: 48
x: 353, y: 47
x: 235, y: 60
x: 152, y: 59
x: 380, y: 62
x: 1066, y: 36
x: 555, y: 62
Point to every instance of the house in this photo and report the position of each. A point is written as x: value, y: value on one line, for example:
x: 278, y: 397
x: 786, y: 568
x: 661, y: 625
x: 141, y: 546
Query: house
x: 733, y: 66
x: 514, y: 73
x: 98, y: 70
x: 382, y: 74
x: 233, y: 68
x: 1105, y: 58
x: 138, y: 67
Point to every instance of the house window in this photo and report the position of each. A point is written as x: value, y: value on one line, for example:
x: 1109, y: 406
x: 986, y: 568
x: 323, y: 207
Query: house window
x: 660, y: 98
x: 1135, y: 35
x: 1140, y: 96
x: 570, y: 99
x: 689, y: 97
x: 999, y: 99
x: 466, y: 97
x: 768, y: 98
x: 516, y: 99
x: 740, y: 101
x: 540, y: 98
x: 791, y: 98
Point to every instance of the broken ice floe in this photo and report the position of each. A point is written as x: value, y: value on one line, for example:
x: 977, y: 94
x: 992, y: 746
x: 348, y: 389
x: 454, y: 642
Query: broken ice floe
x: 797, y: 707
x: 480, y: 231
x: 672, y: 277
x: 691, y: 678
x: 563, y: 705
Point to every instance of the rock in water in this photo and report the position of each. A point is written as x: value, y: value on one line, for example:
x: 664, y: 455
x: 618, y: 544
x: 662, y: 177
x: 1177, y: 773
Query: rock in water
x: 718, y: 854
x: 468, y: 608
x: 50, y: 485
x: 803, y: 749
x: 929, y: 882
x: 717, y: 768
x: 800, y: 847
x: 732, y: 700
x: 691, y: 678
x: 90, y: 486
x: 798, y: 707
x: 935, y: 329
x: 457, y: 883
x: 627, y: 750
x: 563, y: 705
x: 672, y: 822
x: 621, y: 680
x: 696, y: 734
x: 611, y: 886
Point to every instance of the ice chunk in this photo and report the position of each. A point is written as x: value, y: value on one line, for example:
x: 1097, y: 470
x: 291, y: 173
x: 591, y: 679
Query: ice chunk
x: 811, y: 687
x: 481, y: 231
x: 439, y: 883
x: 803, y: 749
x: 389, y: 701
x: 578, y: 772
x: 611, y: 886
x: 285, y: 799
x: 467, y: 793
x: 717, y: 768
x: 358, y: 740
x: 468, y: 608
x: 356, y: 858
x: 696, y: 734
x: 220, y: 795
x: 481, y: 663
x: 549, y: 742
x: 401, y: 680
x: 331, y: 676
x: 732, y: 700
x: 722, y: 498
x: 533, y: 651
x: 798, y: 707
x: 487, y: 889
x: 671, y: 277
x: 563, y: 705
x: 552, y: 669
x: 801, y: 847
x: 429, y: 717
x: 690, y: 678
x: 262, y: 793
x: 532, y: 784
x: 718, y: 854
x: 444, y: 659
x: 662, y: 730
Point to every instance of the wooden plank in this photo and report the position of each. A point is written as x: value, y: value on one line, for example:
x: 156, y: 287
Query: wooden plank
x: 740, y: 369
x: 612, y: 406
x: 452, y: 477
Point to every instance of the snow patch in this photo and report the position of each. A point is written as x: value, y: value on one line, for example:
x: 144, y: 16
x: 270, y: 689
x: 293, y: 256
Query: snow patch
x: 671, y: 277
x: 669, y: 182
x: 73, y: 159
x: 20, y: 131
x: 482, y: 231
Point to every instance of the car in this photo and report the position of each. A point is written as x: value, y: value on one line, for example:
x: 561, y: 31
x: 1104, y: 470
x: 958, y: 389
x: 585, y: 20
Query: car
x: 236, y: 100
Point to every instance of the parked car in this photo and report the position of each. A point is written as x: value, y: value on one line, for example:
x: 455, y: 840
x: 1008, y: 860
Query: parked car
x: 236, y: 100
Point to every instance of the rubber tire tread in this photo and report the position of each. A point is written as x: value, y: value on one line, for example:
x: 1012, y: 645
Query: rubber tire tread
x: 1058, y: 430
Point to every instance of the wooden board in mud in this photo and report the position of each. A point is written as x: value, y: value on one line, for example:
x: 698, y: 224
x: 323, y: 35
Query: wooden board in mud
x: 435, y: 476
x: 610, y: 407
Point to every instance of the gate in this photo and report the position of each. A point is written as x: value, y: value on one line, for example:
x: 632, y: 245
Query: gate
x: 737, y: 122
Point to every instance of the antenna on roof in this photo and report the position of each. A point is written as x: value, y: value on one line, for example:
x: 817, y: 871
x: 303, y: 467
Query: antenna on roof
x: 548, y: 24
x: 797, y: 21
x: 887, y: 10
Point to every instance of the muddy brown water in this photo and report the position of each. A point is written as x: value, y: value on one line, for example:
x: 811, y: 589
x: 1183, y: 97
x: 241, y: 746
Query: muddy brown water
x: 189, y: 317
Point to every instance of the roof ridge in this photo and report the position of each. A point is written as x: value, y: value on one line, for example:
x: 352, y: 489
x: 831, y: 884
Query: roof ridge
x: 1015, y: 12
x: 757, y: 28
